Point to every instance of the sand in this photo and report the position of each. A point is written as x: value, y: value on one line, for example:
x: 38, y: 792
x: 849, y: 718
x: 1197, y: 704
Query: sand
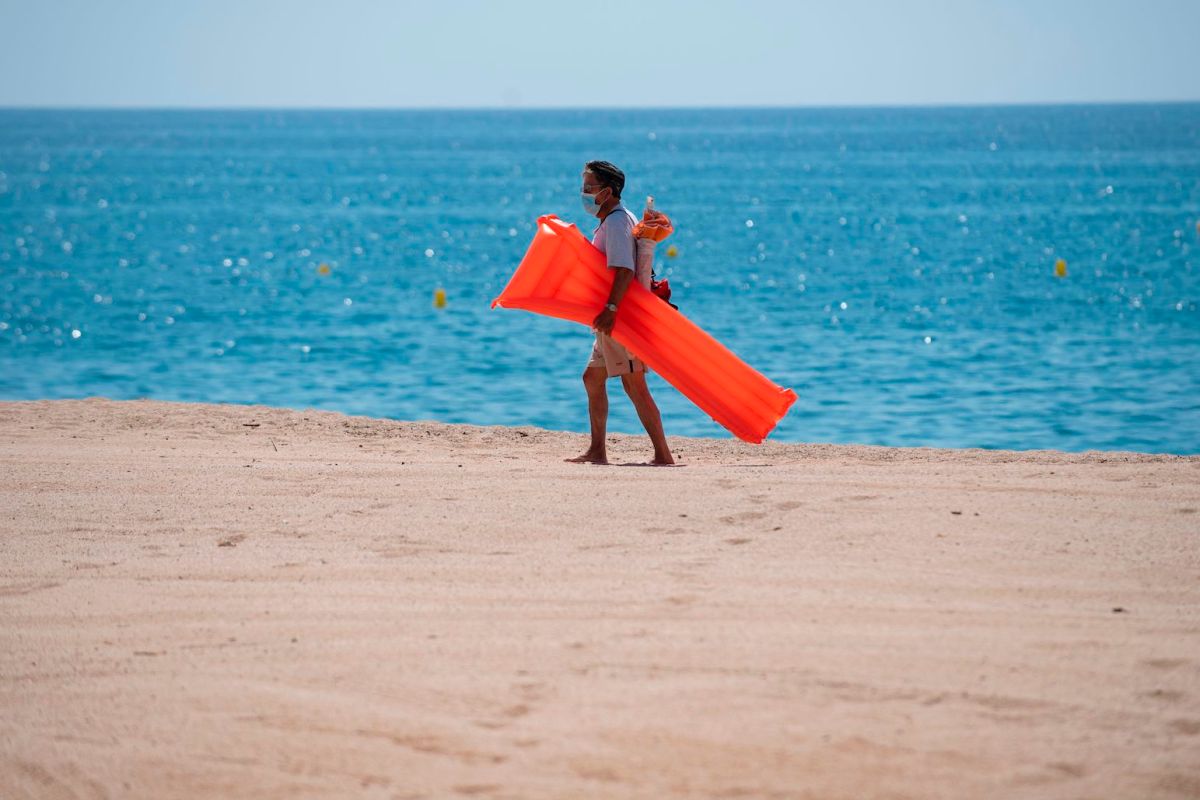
x: 239, y: 601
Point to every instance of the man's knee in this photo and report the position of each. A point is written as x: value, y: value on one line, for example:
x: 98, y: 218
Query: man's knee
x: 593, y: 378
x: 635, y: 384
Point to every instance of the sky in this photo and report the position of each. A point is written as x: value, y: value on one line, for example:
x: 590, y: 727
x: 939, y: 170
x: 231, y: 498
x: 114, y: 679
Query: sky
x: 610, y: 53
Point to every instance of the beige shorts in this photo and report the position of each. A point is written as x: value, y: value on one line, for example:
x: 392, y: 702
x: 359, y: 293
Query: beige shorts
x: 607, y: 352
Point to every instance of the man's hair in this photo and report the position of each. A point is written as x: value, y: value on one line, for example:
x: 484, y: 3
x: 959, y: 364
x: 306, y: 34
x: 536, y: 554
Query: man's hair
x: 608, y: 174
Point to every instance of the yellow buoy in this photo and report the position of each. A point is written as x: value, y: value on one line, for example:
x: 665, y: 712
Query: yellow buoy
x: 1060, y: 268
x: 439, y: 298
x: 322, y: 269
x: 672, y: 251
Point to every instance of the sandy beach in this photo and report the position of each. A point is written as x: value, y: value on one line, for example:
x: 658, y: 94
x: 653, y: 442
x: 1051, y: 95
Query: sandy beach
x: 239, y: 601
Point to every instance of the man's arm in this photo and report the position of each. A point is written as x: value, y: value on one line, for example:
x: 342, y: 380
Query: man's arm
x: 605, y: 320
x: 621, y: 251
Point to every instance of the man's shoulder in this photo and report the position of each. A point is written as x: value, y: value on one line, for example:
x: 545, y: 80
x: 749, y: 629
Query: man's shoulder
x: 621, y: 218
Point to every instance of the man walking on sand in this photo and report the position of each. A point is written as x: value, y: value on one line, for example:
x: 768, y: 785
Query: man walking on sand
x: 602, y: 185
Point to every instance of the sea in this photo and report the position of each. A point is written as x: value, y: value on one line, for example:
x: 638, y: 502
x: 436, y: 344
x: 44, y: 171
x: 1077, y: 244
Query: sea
x: 1018, y: 277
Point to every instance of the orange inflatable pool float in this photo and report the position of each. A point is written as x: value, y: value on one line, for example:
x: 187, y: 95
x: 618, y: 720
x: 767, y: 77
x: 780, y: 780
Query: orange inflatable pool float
x: 563, y: 275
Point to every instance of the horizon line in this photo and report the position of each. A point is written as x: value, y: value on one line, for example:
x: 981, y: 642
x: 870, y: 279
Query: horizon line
x: 680, y: 107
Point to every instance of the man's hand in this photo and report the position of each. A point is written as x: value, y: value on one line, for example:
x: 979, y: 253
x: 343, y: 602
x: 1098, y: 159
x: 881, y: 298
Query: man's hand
x: 604, y: 321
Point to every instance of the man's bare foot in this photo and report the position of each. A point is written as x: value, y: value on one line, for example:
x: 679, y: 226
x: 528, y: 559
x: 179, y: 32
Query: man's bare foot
x: 590, y: 457
x: 663, y: 461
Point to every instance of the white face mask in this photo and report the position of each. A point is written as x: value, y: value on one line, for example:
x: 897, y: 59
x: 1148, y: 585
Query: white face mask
x: 589, y: 204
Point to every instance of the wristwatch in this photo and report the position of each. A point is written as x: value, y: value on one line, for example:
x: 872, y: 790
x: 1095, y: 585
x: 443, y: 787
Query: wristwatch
x: 611, y: 307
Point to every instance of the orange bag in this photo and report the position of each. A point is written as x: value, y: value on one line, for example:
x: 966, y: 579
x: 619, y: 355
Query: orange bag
x: 563, y: 275
x: 654, y: 225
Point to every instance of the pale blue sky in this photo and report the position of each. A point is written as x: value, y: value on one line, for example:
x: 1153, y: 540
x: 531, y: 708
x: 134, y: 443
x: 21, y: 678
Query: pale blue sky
x: 457, y: 53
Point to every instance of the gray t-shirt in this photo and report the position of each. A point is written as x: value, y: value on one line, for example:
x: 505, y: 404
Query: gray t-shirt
x: 614, y: 238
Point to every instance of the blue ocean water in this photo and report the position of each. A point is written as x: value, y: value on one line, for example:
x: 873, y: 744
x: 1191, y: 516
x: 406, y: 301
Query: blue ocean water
x: 894, y: 266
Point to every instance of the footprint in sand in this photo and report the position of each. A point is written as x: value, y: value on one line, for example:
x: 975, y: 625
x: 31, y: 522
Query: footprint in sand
x: 666, y: 531
x: 1065, y: 768
x: 746, y: 516
x: 1165, y: 663
x: 14, y: 589
x: 1187, y: 727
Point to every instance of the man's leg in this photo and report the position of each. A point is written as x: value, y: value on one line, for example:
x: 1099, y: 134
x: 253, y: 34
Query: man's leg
x: 647, y: 411
x: 597, y: 393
